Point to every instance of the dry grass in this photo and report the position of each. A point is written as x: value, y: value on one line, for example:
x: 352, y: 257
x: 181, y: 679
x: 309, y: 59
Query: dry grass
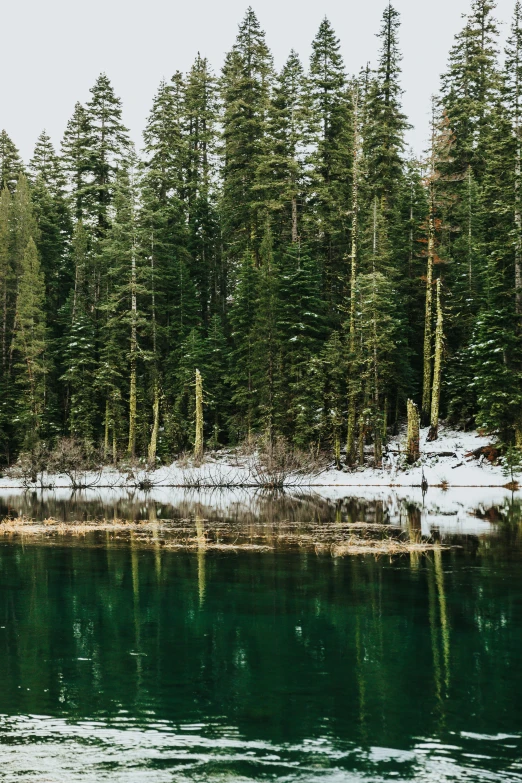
x: 372, y: 526
x: 386, y: 546
x: 28, y: 526
x: 199, y: 535
x: 194, y: 544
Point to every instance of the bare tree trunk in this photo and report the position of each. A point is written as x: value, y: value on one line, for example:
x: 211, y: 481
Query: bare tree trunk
x: 153, y: 444
x: 106, y: 436
x: 295, y: 235
x: 426, y: 386
x: 133, y: 351
x: 377, y: 424
x: 198, y: 445
x: 470, y: 237
x: 518, y: 220
x: 362, y: 433
x: 5, y: 202
x: 413, y: 450
x: 377, y: 442
x: 75, y: 293
x: 437, y: 370
x: 350, y: 434
x: 337, y: 448
x: 518, y: 212
x: 4, y: 327
x: 518, y: 432
x: 114, y: 443
x: 428, y: 313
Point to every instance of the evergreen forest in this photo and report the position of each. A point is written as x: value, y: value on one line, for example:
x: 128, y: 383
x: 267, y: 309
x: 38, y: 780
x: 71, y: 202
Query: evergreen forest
x: 274, y: 234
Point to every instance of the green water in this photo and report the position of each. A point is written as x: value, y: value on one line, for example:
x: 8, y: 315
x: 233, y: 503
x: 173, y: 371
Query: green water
x: 126, y: 664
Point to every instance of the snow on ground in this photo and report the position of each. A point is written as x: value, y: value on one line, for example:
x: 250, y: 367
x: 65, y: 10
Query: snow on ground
x: 470, y: 487
x: 456, y: 471
x: 226, y: 469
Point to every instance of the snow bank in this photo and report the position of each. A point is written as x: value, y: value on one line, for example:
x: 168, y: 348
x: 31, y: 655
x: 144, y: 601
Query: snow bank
x: 226, y: 469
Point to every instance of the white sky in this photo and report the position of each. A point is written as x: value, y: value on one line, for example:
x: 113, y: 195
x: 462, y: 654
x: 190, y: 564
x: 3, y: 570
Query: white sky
x: 53, y: 50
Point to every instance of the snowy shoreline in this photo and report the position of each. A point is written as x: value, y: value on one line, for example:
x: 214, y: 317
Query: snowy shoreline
x: 444, y: 463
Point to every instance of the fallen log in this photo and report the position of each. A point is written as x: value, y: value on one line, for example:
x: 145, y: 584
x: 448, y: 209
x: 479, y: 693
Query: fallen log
x: 426, y: 453
x: 491, y: 453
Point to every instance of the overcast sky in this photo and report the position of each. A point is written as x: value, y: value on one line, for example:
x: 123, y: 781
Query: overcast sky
x: 53, y: 50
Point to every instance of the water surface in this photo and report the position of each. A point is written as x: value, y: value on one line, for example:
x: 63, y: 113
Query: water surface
x: 126, y: 663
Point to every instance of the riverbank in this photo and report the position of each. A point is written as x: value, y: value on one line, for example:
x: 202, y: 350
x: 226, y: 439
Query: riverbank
x: 455, y: 460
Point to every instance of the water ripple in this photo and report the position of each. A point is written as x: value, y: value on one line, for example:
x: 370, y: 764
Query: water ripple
x: 50, y: 750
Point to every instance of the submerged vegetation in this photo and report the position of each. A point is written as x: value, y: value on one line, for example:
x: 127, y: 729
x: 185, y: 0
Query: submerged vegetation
x: 192, y: 534
x: 272, y: 265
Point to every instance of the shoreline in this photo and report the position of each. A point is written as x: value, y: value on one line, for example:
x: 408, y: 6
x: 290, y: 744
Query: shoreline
x: 515, y: 487
x: 450, y: 463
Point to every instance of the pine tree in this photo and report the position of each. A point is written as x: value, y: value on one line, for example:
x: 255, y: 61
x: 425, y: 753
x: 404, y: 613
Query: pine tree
x: 28, y: 346
x: 5, y: 268
x: 165, y: 146
x: 79, y: 364
x: 127, y: 289
x: 108, y: 146
x: 19, y: 232
x: 23, y: 223
x: 330, y: 119
x: 380, y: 373
x: 386, y: 123
x: 242, y: 361
x: 495, y: 352
x: 266, y: 348
x: 358, y: 113
x: 302, y: 329
x: 53, y: 238
x: 470, y: 84
x: 245, y: 92
x: 77, y: 160
x: 201, y: 114
x: 333, y: 392
x: 45, y: 163
x: 496, y: 358
x: 10, y: 163
x: 53, y: 219
x: 513, y: 99
x: 6, y: 281
x: 209, y: 355
x: 216, y: 356
x: 469, y: 90
x: 182, y: 422
x: 378, y: 341
x: 281, y: 169
x: 164, y: 217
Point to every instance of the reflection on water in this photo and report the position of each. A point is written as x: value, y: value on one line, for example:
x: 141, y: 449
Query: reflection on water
x: 252, y: 514
x: 130, y: 664
x: 245, y: 506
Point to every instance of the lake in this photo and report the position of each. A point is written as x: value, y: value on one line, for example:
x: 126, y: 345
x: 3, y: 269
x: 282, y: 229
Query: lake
x: 123, y: 660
